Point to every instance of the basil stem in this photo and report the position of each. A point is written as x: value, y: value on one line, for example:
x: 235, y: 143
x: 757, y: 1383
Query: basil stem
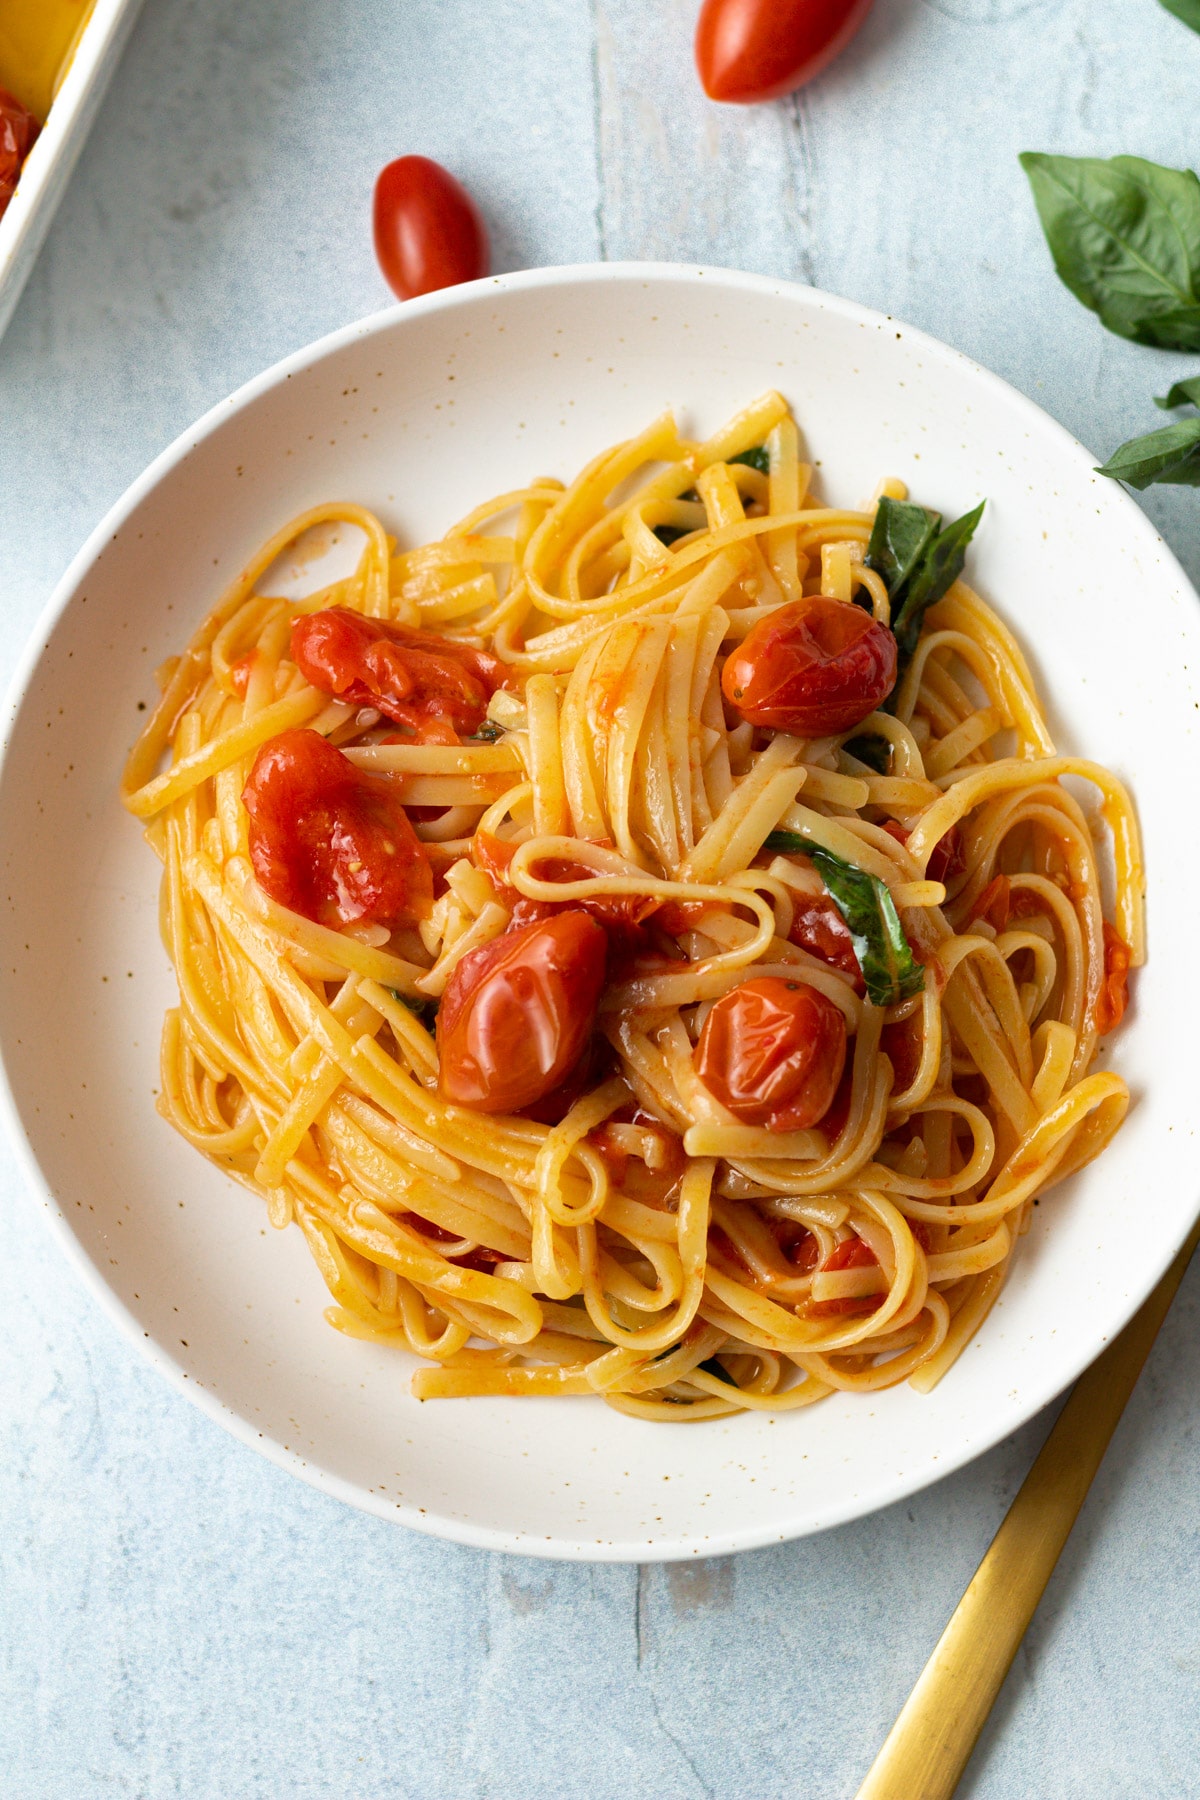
x: 890, y: 971
x: 1170, y: 457
x: 1125, y: 238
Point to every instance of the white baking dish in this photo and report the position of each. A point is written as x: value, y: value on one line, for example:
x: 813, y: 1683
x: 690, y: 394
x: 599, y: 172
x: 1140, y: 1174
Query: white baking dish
x: 25, y: 224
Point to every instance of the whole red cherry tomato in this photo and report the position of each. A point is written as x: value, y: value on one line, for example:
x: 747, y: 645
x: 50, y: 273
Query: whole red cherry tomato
x: 18, y: 131
x: 773, y: 1051
x: 749, y: 50
x: 428, y: 232
x: 330, y: 841
x: 435, y: 687
x: 814, y: 667
x: 517, y: 1013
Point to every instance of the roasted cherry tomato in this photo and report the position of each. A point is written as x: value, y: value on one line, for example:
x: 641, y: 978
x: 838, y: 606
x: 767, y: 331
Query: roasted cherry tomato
x: 819, y: 928
x: 749, y: 50
x: 813, y: 667
x: 1113, y: 997
x: 517, y: 1013
x: 773, y: 1051
x: 437, y: 688
x: 331, y: 842
x: 18, y: 132
x: 947, y: 859
x: 428, y: 232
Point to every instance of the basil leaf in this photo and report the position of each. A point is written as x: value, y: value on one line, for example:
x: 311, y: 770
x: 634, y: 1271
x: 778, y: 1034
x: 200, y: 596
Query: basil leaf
x: 757, y: 458
x: 876, y: 752
x: 940, y: 567
x: 1184, y: 393
x: 1187, y: 10
x: 424, y: 1009
x: 1170, y: 456
x: 889, y: 968
x: 1125, y: 237
x: 901, y: 534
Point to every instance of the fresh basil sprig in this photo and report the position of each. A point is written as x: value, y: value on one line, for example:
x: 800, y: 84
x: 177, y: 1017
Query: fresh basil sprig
x: 890, y: 970
x: 1125, y: 238
x: 919, y: 562
x: 1184, y: 393
x: 755, y: 458
x: 1170, y: 457
x: 1187, y: 10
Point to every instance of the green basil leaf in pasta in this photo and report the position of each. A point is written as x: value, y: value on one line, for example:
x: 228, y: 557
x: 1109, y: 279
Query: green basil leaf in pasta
x: 1184, y: 393
x: 756, y: 458
x: 900, y: 536
x: 940, y: 566
x: 890, y: 970
x: 1187, y: 10
x: 1170, y: 457
x: 1125, y: 238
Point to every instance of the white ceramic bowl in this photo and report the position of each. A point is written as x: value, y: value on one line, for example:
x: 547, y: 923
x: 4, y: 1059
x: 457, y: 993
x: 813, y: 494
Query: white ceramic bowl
x: 420, y: 412
x: 48, y: 166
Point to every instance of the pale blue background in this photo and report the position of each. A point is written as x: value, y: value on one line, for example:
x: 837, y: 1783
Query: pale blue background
x: 177, y: 1617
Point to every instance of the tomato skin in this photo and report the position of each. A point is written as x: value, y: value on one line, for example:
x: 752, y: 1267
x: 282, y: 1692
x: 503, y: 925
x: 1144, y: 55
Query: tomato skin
x: 773, y: 1052
x: 748, y: 50
x: 330, y: 841
x: 620, y: 914
x: 1113, y: 997
x: 852, y: 1253
x: 19, y: 131
x: 517, y: 1013
x: 948, y: 858
x: 814, y: 667
x: 437, y: 688
x: 819, y: 928
x: 428, y: 232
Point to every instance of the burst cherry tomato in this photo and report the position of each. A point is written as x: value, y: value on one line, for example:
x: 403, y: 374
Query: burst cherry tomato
x: 428, y: 232
x: 618, y: 913
x: 435, y: 687
x: 749, y: 50
x: 331, y: 842
x: 517, y: 1013
x: 18, y: 131
x: 773, y: 1051
x: 814, y: 667
x: 852, y: 1253
x: 947, y: 859
x: 819, y: 928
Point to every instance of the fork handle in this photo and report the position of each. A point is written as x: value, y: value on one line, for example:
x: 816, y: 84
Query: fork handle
x: 928, y: 1747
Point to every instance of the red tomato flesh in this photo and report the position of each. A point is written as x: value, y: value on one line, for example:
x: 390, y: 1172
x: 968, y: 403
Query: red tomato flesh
x: 947, y: 859
x: 748, y: 50
x: 852, y: 1253
x: 18, y: 133
x: 428, y: 232
x: 814, y: 667
x: 1114, y: 991
x: 437, y: 688
x: 620, y: 913
x: 773, y: 1051
x: 819, y: 928
x: 331, y: 842
x: 517, y: 1013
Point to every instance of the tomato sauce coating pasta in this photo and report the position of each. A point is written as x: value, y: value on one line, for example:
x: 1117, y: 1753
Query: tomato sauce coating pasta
x: 647, y: 939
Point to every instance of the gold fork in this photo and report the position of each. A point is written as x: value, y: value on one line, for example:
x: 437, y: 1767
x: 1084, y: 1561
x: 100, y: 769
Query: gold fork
x: 928, y: 1747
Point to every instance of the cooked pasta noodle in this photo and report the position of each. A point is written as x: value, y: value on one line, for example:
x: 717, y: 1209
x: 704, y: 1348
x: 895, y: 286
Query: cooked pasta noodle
x: 649, y: 1245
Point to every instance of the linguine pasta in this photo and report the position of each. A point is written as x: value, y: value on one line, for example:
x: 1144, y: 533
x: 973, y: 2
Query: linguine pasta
x: 648, y: 1245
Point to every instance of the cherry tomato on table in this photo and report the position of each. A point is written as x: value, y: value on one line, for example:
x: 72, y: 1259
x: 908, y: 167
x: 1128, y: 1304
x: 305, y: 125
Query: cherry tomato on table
x: 748, y: 50
x: 331, y: 842
x: 18, y: 132
x: 517, y: 1013
x: 815, y: 667
x: 435, y: 687
x: 773, y: 1051
x: 428, y: 232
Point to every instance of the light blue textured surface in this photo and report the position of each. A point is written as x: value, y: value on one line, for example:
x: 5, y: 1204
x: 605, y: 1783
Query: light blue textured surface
x: 177, y: 1617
